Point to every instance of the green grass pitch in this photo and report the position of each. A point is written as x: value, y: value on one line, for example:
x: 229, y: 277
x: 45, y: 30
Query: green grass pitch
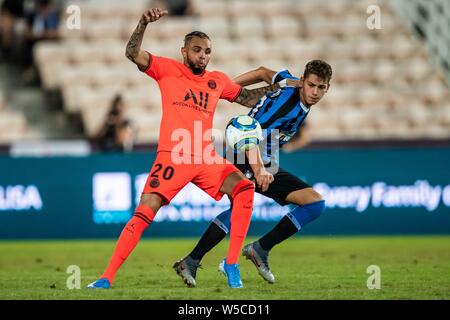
x: 305, y: 268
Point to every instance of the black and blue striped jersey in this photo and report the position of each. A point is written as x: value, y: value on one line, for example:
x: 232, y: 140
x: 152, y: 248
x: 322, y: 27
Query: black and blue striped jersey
x: 280, y: 114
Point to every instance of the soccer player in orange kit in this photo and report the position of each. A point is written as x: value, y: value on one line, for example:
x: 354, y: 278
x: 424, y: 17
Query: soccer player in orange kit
x: 189, y: 98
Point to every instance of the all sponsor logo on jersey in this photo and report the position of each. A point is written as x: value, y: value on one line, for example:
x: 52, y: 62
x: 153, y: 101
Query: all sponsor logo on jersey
x: 200, y: 100
x: 195, y: 100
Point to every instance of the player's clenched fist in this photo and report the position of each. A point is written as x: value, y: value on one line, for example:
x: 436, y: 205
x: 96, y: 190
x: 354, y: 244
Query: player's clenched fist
x: 152, y: 15
x: 263, y: 179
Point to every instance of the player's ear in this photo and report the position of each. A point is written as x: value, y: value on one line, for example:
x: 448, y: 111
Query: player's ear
x: 184, y: 52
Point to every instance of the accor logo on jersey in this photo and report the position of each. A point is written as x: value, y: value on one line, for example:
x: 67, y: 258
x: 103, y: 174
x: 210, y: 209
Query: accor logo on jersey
x: 198, y: 101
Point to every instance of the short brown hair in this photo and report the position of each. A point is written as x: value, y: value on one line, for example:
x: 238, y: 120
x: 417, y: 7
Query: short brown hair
x: 198, y: 34
x: 320, y: 68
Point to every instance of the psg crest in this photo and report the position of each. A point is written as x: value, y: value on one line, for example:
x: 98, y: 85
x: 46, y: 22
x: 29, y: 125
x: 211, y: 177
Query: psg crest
x: 154, y: 183
x: 212, y: 84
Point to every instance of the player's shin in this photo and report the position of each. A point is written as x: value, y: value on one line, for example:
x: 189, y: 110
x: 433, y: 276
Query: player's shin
x: 128, y: 239
x: 242, y: 206
x: 217, y: 230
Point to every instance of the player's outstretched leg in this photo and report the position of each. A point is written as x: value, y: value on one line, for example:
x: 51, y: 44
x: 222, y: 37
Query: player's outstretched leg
x: 128, y: 240
x: 258, y: 251
x: 186, y: 268
x: 242, y: 205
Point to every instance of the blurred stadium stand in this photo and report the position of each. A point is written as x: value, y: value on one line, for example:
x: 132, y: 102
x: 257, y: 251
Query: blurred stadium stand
x: 384, y: 85
x: 12, y: 123
x: 430, y: 21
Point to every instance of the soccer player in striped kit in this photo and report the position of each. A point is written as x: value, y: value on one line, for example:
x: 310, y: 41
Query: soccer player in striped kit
x: 280, y: 114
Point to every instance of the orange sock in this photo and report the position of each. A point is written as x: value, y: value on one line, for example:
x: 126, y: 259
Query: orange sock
x: 241, y: 214
x: 128, y: 240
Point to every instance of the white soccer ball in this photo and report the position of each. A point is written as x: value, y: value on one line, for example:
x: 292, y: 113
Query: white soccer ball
x: 243, y: 133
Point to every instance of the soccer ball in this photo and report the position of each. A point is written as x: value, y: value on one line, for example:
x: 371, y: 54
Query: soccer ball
x: 243, y: 133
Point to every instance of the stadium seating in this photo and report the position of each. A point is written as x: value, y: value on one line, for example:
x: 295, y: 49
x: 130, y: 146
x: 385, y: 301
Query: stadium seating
x: 383, y: 86
x: 13, y: 125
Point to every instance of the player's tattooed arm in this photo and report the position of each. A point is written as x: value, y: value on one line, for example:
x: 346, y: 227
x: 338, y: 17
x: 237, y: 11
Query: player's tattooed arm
x: 250, y: 97
x: 133, y: 51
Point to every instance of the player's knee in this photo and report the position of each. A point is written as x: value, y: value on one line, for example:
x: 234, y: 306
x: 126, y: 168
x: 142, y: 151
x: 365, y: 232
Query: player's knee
x: 303, y: 197
x: 243, y: 187
x: 152, y: 201
x: 313, y: 196
x: 304, y: 214
x: 318, y: 203
x: 314, y: 209
x: 318, y: 208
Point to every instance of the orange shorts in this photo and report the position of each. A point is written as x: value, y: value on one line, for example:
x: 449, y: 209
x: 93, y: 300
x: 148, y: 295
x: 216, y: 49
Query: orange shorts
x: 167, y: 178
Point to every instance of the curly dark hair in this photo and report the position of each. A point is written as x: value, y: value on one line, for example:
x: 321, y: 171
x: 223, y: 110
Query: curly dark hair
x: 198, y: 34
x: 320, y: 68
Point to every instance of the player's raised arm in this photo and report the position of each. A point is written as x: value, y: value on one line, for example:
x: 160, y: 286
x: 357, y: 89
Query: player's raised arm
x: 255, y: 76
x: 249, y: 98
x: 133, y: 51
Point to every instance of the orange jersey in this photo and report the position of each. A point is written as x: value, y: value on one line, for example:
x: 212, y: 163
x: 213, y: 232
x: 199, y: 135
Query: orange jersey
x: 188, y: 104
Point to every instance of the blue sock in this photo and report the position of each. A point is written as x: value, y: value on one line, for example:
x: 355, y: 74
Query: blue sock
x: 223, y: 220
x: 291, y: 223
x: 302, y: 215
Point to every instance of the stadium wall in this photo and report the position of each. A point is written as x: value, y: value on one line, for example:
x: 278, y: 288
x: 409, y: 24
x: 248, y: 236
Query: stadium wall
x: 368, y: 191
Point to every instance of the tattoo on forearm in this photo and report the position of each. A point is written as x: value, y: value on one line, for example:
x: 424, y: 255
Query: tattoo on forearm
x: 249, y: 98
x: 134, y: 44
